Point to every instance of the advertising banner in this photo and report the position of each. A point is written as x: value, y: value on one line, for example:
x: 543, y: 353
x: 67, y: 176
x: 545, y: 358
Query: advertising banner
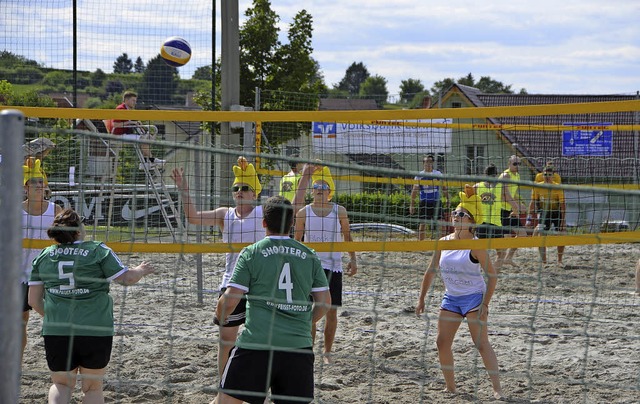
x: 382, y: 138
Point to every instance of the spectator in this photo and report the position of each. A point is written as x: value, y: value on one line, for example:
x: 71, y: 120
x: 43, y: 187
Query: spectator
x: 512, y: 204
x: 239, y: 224
x: 430, y: 204
x: 550, y: 203
x: 325, y: 221
x: 134, y: 130
x: 556, y: 176
x: 490, y: 193
x: 275, y: 349
x: 289, y: 183
x: 77, y: 337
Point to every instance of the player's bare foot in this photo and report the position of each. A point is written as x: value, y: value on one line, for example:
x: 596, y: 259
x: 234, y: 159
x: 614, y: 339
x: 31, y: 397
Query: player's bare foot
x: 327, y: 359
x: 498, y: 395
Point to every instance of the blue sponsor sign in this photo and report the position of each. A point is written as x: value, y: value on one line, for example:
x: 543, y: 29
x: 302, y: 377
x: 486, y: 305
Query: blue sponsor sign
x: 587, y: 139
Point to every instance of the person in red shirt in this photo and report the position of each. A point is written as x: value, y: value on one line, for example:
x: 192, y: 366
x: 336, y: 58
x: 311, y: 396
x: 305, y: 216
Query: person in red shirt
x: 133, y: 129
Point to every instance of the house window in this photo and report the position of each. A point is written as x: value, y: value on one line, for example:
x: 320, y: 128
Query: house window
x: 456, y: 104
x: 476, y: 160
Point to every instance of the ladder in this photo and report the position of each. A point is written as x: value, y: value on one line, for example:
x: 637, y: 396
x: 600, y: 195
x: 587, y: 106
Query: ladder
x: 155, y: 181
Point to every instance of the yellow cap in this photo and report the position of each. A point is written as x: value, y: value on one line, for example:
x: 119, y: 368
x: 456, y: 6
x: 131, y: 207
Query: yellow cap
x: 245, y: 173
x: 324, y: 174
x: 471, y: 203
x: 32, y: 169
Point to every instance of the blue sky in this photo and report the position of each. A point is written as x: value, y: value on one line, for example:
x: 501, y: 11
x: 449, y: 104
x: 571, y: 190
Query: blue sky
x: 569, y: 47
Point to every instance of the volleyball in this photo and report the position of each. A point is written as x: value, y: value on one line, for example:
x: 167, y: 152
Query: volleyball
x: 175, y: 51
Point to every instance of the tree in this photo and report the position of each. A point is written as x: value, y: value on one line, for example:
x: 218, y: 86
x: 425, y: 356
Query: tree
x: 8, y: 59
x: 203, y: 73
x: 355, y: 75
x: 123, y: 64
x: 138, y: 67
x: 439, y: 87
x: 486, y: 84
x: 258, y: 45
x: 114, y: 87
x: 375, y: 87
x: 97, y: 78
x: 159, y: 82
x: 409, y: 88
x: 296, y: 70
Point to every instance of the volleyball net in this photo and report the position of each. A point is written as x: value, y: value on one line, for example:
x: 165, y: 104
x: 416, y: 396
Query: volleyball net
x: 374, y: 157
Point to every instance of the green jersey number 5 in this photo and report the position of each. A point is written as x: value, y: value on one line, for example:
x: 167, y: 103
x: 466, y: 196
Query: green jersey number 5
x: 66, y: 275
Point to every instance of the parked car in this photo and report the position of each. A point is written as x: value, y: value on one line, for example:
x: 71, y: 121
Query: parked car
x: 381, y: 228
x: 609, y: 226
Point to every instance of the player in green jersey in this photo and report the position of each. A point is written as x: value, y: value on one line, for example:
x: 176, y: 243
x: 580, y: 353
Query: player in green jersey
x: 277, y: 274
x: 69, y: 286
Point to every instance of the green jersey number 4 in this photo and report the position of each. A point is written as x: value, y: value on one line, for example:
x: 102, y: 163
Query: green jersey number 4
x: 284, y: 282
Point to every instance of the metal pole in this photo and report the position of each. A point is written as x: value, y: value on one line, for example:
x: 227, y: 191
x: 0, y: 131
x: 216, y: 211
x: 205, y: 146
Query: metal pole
x: 11, y: 139
x: 230, y: 96
x: 197, y: 173
x: 75, y: 54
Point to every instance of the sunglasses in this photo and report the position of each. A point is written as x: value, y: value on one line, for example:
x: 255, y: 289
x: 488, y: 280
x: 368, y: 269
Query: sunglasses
x: 459, y: 213
x: 516, y: 163
x: 324, y: 187
x: 84, y: 220
x: 548, y: 174
x: 243, y: 188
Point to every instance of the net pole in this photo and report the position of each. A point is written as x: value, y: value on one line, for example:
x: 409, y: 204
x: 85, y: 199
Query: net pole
x: 11, y: 139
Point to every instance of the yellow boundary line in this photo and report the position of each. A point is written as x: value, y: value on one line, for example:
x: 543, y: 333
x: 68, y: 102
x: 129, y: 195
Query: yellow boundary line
x: 384, y: 246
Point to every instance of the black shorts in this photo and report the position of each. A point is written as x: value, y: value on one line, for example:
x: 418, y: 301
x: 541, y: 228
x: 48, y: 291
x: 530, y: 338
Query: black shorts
x: 490, y: 230
x: 66, y: 353
x: 509, y: 221
x: 25, y: 300
x: 335, y: 287
x: 551, y: 217
x: 238, y: 316
x: 430, y: 210
x: 290, y: 375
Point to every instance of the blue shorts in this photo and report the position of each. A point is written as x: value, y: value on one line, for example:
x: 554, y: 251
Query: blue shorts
x: 462, y: 305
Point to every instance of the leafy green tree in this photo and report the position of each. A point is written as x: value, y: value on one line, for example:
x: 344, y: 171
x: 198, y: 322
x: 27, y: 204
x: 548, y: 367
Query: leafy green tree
x: 439, y: 87
x: 123, y: 64
x: 296, y: 70
x: 98, y: 77
x: 258, y: 45
x: 159, y: 82
x: 56, y: 78
x: 486, y: 84
x: 203, y: 73
x: 409, y: 88
x: 139, y: 67
x: 375, y: 87
x: 114, y: 87
x: 355, y: 75
x: 27, y: 75
x: 8, y: 59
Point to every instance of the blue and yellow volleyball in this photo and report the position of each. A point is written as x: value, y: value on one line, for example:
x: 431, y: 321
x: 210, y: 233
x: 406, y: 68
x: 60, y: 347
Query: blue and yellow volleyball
x: 175, y: 51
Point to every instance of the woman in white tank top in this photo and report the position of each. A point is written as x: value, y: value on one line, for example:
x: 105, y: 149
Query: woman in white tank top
x: 467, y: 294
x: 37, y: 216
